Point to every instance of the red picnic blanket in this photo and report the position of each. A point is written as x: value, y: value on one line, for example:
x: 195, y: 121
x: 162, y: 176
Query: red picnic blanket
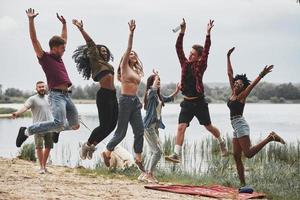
x: 214, y: 191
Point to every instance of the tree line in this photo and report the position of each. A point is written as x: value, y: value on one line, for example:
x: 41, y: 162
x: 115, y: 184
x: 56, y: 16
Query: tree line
x: 275, y: 93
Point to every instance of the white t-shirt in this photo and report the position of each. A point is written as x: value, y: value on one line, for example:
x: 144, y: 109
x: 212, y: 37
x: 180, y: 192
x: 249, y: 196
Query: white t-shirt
x: 40, y: 108
x: 158, y: 109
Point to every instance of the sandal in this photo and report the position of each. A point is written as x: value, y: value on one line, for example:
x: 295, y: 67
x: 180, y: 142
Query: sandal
x: 140, y: 166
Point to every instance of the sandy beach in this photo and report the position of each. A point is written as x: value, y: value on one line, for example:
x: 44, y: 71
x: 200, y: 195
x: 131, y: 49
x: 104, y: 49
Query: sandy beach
x: 20, y: 179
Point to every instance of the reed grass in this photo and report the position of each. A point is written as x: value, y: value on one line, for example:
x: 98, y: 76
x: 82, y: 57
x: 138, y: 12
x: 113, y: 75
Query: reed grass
x: 274, y: 170
x: 27, y: 152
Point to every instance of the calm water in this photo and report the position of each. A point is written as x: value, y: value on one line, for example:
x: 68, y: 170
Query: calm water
x: 262, y: 118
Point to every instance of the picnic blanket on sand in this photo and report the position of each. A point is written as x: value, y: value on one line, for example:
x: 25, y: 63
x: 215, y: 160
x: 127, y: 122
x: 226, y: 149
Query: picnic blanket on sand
x: 214, y: 191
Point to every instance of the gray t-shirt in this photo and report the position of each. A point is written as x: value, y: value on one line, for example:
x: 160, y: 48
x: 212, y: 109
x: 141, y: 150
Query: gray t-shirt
x: 40, y: 108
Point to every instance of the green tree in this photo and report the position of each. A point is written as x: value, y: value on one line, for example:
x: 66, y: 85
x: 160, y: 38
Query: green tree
x: 78, y: 93
x: 13, y: 92
x: 91, y: 90
x: 264, y: 91
x: 287, y: 91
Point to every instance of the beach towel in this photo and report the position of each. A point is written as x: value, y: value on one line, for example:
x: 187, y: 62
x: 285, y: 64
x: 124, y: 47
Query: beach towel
x: 214, y: 191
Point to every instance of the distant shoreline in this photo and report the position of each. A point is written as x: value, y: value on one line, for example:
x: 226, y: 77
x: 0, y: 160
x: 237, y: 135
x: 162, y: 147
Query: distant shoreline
x: 93, y: 101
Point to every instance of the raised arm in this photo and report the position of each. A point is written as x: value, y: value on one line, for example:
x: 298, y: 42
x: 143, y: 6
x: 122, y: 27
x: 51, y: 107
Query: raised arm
x: 229, y: 68
x: 267, y: 69
x: 173, y: 95
x: 64, y: 33
x: 35, y: 43
x: 132, y: 27
x: 207, y: 43
x: 179, y: 43
x: 84, y: 34
x: 93, y: 52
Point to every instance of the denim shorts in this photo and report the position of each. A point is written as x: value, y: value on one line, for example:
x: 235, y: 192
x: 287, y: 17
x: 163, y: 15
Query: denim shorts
x: 240, y: 127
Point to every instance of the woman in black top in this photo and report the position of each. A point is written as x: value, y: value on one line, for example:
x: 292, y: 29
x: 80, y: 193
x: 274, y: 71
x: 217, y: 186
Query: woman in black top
x: 241, y: 88
x: 93, y: 61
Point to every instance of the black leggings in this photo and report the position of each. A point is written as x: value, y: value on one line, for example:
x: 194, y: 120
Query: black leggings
x: 107, y: 105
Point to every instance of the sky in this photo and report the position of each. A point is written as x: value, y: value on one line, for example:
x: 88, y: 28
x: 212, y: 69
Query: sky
x: 263, y: 32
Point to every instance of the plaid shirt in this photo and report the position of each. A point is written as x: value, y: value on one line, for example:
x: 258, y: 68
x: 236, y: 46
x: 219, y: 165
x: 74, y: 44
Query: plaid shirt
x: 198, y: 68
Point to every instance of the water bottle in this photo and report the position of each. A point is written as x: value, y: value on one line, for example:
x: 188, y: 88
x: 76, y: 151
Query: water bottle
x: 176, y: 29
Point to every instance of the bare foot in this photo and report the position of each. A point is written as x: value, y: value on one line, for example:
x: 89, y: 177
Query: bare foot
x: 276, y: 137
x: 106, y: 159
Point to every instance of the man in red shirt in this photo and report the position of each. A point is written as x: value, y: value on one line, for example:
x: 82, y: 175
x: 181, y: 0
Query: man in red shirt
x: 63, y: 109
x: 194, y: 103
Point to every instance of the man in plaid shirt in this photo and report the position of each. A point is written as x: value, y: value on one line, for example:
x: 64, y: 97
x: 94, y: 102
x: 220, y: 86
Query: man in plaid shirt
x: 194, y: 103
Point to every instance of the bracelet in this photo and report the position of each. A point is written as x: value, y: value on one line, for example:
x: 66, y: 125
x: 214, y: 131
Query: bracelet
x: 262, y: 74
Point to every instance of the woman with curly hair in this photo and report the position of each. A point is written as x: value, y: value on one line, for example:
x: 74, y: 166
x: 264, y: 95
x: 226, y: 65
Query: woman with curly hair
x: 241, y: 88
x: 130, y: 73
x: 93, y: 61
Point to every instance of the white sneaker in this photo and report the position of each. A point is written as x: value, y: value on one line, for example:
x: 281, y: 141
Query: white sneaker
x: 84, y: 151
x: 173, y: 158
x: 142, y: 177
x: 47, y: 171
x: 91, y: 151
x: 42, y: 171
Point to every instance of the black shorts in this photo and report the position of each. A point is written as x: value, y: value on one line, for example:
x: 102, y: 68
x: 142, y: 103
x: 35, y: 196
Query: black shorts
x: 196, y: 107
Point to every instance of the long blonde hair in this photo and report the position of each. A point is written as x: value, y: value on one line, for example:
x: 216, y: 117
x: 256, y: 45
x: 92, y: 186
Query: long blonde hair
x: 137, y: 67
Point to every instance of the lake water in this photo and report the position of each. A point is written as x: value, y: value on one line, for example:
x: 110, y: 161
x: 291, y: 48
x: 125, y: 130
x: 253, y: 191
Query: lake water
x: 262, y: 118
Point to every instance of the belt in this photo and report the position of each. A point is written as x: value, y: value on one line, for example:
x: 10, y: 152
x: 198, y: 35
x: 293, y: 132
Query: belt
x: 61, y: 91
x: 190, y: 98
x: 200, y: 96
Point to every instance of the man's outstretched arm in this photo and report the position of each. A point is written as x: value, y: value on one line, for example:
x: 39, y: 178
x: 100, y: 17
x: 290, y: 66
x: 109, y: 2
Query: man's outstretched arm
x: 179, y: 43
x: 207, y: 44
x: 35, y: 43
x: 64, y: 33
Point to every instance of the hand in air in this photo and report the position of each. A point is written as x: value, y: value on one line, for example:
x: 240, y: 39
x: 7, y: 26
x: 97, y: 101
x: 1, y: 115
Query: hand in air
x: 210, y: 25
x: 267, y: 69
x: 230, y: 51
x: 61, y: 18
x: 132, y: 25
x: 183, y: 25
x: 31, y: 14
x: 155, y: 72
x: 78, y: 24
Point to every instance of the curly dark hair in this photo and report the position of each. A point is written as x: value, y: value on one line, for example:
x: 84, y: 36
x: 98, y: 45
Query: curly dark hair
x: 242, y: 77
x: 80, y: 56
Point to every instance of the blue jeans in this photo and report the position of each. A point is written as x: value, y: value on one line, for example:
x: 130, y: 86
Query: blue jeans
x: 64, y: 113
x: 129, y: 112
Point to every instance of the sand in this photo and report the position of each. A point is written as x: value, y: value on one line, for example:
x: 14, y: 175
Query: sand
x: 20, y: 179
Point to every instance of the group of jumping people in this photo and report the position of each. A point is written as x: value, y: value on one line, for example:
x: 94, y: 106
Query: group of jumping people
x: 93, y: 61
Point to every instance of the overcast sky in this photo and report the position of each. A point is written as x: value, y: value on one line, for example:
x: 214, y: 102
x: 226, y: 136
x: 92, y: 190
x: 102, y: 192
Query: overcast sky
x: 263, y: 32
